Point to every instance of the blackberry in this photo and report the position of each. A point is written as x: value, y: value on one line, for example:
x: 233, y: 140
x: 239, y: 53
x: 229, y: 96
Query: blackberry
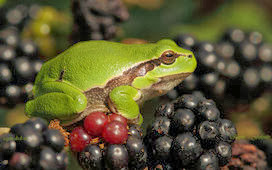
x: 166, y: 110
x: 223, y: 151
x: 137, y: 152
x: 54, y: 139
x: 183, y: 120
x: 91, y: 157
x: 62, y: 160
x: 47, y: 159
x: 117, y: 157
x: 32, y: 145
x: 235, y: 70
x: 162, y: 147
x: 207, y: 160
x: 194, y: 136
x: 186, y: 148
x: 135, y: 130
x: 161, y: 126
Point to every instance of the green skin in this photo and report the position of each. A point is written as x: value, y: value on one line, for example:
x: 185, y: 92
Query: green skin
x: 81, y: 79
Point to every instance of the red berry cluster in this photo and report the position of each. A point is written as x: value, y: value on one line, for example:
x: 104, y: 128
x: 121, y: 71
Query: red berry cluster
x: 97, y: 125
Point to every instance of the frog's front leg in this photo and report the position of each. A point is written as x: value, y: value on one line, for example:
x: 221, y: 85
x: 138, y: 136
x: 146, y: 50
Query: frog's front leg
x: 56, y: 100
x: 123, y: 101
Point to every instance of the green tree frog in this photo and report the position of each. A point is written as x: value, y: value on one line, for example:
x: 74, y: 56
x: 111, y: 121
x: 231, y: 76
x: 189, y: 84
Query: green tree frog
x: 109, y: 77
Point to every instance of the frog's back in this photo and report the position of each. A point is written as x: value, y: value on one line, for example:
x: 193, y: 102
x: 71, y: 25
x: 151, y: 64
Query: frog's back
x: 93, y: 63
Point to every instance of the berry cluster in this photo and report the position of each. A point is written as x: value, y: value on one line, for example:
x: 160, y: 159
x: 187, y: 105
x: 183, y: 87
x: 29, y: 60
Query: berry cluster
x: 19, y: 65
x: 106, y: 141
x: 190, y: 133
x: 96, y: 20
x: 32, y: 145
x: 236, y: 69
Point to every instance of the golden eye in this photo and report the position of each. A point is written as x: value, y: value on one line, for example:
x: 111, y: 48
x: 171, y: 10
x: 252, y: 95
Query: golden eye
x: 168, y: 57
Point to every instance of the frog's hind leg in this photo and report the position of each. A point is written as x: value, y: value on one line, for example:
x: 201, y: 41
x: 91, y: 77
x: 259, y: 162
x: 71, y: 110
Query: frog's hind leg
x: 56, y: 100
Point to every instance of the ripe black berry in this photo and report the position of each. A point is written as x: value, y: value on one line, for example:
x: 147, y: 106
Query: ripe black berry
x: 91, y: 157
x: 62, y: 160
x: 186, y: 148
x: 162, y: 147
x: 137, y: 152
x: 208, y: 132
x: 161, y: 126
x: 223, y: 151
x: 209, y: 112
x: 54, y: 138
x: 135, y: 130
x: 187, y: 101
x: 117, y: 157
x: 183, y: 120
x: 208, y: 160
x: 166, y: 110
x: 227, y: 130
x: 47, y: 159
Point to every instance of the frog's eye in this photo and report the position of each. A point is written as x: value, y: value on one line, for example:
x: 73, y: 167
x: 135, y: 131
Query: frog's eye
x: 168, y: 57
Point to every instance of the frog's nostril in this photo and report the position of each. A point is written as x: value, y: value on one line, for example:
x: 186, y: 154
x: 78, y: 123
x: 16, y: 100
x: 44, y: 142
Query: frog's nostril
x: 190, y: 56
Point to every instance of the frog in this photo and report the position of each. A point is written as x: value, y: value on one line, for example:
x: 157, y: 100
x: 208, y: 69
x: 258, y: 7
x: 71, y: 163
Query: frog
x: 106, y: 76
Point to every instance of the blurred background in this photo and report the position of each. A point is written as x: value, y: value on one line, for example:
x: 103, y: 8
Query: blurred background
x: 230, y: 38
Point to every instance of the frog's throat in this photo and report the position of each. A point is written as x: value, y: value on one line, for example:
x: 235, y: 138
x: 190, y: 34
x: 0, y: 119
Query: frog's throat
x: 160, y: 88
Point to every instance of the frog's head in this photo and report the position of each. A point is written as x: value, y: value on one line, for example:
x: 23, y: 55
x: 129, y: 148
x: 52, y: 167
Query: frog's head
x: 173, y: 64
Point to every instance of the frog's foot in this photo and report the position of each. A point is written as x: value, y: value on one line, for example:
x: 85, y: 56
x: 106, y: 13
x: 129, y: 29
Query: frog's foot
x: 122, y: 100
